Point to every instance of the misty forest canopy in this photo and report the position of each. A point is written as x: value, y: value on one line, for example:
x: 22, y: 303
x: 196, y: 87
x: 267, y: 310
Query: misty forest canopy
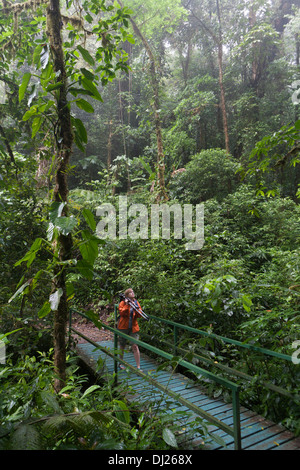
x: 173, y: 102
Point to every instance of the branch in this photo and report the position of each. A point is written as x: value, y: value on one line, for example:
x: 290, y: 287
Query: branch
x: 8, y: 147
x: 294, y: 151
x: 19, y: 7
x: 206, y: 28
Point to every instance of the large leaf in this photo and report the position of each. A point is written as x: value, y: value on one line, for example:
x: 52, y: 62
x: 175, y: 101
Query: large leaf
x: 62, y: 224
x: 36, y: 124
x: 54, y: 86
x: 31, y: 112
x: 169, y: 437
x: 54, y: 299
x: 122, y: 412
x: 91, y: 389
x: 84, y: 105
x: 24, y: 85
x: 45, y: 310
x: 2, y: 336
x: 90, y: 86
x: 50, y: 400
x: 89, y: 75
x: 26, y: 437
x: 85, y: 268
x: 65, y: 225
x: 37, y: 55
x: 89, y: 249
x: 86, y: 55
x: 80, y: 129
x: 56, y: 210
x: 89, y: 218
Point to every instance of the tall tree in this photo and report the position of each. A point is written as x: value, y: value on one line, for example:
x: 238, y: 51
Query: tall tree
x: 57, y: 62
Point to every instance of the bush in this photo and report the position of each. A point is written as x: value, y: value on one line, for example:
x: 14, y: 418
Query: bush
x: 211, y: 173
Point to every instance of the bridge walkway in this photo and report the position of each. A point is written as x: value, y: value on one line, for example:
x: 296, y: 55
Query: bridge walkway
x: 149, y: 389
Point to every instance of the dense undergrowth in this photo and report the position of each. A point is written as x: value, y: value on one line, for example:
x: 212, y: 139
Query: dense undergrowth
x: 243, y: 284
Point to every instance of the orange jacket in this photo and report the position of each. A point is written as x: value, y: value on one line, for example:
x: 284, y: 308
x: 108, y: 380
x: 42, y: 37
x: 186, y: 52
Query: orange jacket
x: 123, y: 323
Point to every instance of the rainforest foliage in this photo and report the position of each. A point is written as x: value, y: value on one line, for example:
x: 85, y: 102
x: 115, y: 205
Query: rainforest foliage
x: 175, y: 102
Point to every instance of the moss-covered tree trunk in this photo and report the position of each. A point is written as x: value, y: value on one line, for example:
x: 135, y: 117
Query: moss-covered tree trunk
x: 64, y: 140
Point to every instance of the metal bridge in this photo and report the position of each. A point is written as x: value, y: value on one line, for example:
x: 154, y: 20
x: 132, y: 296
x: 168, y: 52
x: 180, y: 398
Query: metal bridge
x: 230, y: 425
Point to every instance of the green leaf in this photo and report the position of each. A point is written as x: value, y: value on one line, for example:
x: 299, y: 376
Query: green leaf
x: 54, y: 86
x: 24, y: 85
x: 50, y: 400
x: 37, y: 55
x: 247, y: 302
x: 56, y: 210
x: 31, y: 254
x: 89, y: 218
x: 2, y: 336
x: 33, y: 110
x: 85, y: 268
x: 29, y: 257
x: 169, y: 437
x: 89, y: 75
x: 123, y: 413
x: 80, y: 129
x: 86, y: 55
x: 65, y: 225
x: 89, y: 250
x: 84, y: 105
x: 36, y: 124
x: 45, y: 310
x: 26, y: 437
x: 36, y: 244
x: 79, y: 91
x: 130, y: 39
x: 90, y: 86
x: 90, y: 390
x: 88, y: 18
x: 78, y: 142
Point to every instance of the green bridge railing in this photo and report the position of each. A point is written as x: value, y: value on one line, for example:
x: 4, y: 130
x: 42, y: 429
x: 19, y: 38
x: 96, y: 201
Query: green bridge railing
x: 234, y: 431
x: 226, y: 369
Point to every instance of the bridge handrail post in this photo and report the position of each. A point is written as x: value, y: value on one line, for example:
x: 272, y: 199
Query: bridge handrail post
x: 236, y: 419
x: 116, y: 345
x: 175, y: 335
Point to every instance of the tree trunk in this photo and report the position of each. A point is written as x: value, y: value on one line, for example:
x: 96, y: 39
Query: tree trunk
x: 222, y: 94
x: 221, y: 81
x: 109, y: 145
x: 64, y: 140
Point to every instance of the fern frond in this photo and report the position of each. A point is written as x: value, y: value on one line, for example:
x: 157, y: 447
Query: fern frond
x: 57, y: 424
x: 26, y: 437
x: 83, y: 423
